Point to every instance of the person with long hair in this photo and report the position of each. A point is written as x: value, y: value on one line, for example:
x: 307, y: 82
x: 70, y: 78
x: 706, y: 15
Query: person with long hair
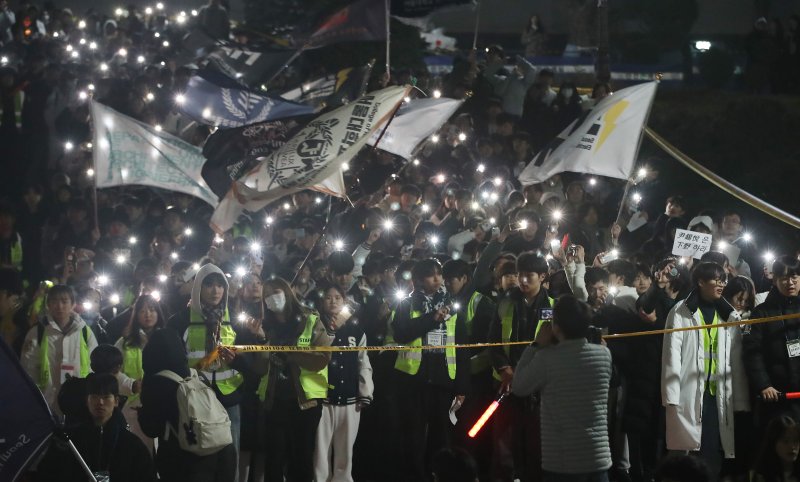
x: 293, y: 384
x: 350, y: 390
x: 146, y: 318
x: 777, y: 459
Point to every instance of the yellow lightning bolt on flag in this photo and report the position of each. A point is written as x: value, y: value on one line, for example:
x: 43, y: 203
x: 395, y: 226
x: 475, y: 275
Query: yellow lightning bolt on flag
x: 610, y: 121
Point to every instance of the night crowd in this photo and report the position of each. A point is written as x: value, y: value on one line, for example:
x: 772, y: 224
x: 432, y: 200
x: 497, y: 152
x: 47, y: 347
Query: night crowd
x: 118, y: 299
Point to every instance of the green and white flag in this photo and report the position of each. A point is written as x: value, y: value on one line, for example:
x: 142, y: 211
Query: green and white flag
x: 128, y: 152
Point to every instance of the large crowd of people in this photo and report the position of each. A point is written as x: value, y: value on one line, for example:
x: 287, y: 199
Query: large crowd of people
x: 118, y: 300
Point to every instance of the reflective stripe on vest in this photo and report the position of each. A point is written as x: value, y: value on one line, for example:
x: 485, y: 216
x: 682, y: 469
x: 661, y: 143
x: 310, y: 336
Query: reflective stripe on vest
x: 506, y: 325
x: 132, y: 366
x: 44, y: 351
x: 314, y: 384
x: 409, y: 361
x: 226, y: 379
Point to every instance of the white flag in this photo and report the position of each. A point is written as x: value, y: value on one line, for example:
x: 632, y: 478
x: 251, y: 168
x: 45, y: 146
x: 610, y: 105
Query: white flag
x: 129, y: 152
x: 603, y: 141
x: 414, y: 123
x: 312, y: 159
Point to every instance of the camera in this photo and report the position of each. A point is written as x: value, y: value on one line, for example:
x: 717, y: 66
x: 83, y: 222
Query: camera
x: 595, y: 335
x: 572, y: 250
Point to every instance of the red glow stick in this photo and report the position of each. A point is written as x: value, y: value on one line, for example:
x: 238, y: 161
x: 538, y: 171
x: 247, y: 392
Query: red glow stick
x: 792, y: 395
x: 488, y: 414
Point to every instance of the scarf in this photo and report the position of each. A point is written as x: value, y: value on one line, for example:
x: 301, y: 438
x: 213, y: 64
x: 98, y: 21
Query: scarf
x: 435, y: 301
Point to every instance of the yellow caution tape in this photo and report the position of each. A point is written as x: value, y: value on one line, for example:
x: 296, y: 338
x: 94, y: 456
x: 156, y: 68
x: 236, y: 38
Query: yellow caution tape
x: 282, y: 348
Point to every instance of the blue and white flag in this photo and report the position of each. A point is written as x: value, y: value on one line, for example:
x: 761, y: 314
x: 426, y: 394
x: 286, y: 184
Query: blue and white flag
x: 214, y: 99
x: 128, y: 152
x: 26, y: 423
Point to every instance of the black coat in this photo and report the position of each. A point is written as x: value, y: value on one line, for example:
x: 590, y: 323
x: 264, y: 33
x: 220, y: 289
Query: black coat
x: 111, y: 448
x: 766, y: 358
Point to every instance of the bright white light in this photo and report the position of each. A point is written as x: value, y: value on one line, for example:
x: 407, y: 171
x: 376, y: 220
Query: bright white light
x: 269, y: 220
x: 82, y: 41
x: 642, y: 173
x: 88, y: 145
x: 148, y: 10
x: 132, y: 240
x: 415, y: 162
x: 556, y: 215
x: 90, y: 172
x: 150, y: 97
x: 702, y: 45
x: 338, y: 245
x: 425, y: 208
x: 157, y: 35
x: 255, y: 246
x: 218, y: 239
x: 165, y: 43
x: 769, y: 256
x: 87, y: 305
x: 70, y: 48
x: 615, y: 253
x: 406, y: 99
x: 140, y: 59
x: 434, y: 240
x: 102, y: 280
x: 195, y: 266
x: 437, y: 93
x: 194, y: 13
x: 123, y: 52
x: 592, y: 181
x: 122, y: 259
x: 124, y: 173
x: 68, y: 146
x: 55, y: 34
x: 182, y: 14
x: 485, y: 194
x: 180, y: 99
x: 637, y: 197
x: 481, y: 168
x: 92, y: 45
x: 162, y: 278
x: 118, y: 12
x: 173, y: 255
x: 492, y: 221
x: 82, y: 95
x: 498, y: 181
x: 156, y: 295
x: 523, y: 224
x: 82, y: 24
x: 399, y: 295
x: 180, y: 19
x: 475, y: 206
x: 240, y: 271
x: 345, y: 166
x: 103, y: 67
x: 613, y: 290
x: 114, y: 298
x: 388, y: 225
x: 206, y: 113
x: 3, y: 60
x: 287, y: 206
x: 188, y: 231
x: 435, y: 138
x: 456, y: 306
x: 158, y: 127
x: 242, y: 317
x: 747, y: 237
x: 462, y: 137
x: 493, y: 196
x: 75, y: 54
x: 317, y: 200
x: 160, y: 6
x: 722, y: 245
x: 440, y: 178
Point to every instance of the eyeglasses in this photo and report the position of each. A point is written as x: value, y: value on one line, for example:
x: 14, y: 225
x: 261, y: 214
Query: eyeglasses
x: 719, y: 282
x: 789, y: 279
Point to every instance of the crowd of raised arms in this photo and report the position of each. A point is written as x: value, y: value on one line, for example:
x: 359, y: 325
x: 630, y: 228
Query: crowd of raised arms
x: 101, y: 291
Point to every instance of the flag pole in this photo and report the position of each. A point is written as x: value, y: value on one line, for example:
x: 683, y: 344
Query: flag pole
x: 286, y: 65
x: 316, y: 243
x: 388, y: 7
x: 477, y: 23
x: 89, y: 474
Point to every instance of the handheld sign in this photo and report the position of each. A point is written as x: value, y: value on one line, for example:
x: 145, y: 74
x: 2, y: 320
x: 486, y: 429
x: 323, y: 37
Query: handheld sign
x: 690, y: 243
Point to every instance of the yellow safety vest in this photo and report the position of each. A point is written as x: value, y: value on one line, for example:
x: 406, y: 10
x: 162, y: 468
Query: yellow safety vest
x: 409, y: 361
x: 132, y: 366
x: 506, y: 325
x: 314, y: 384
x: 44, y: 351
x: 709, y: 351
x: 482, y: 360
x: 16, y: 254
x: 225, y: 378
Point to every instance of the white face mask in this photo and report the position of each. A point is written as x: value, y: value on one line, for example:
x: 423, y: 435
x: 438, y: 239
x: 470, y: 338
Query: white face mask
x: 276, y: 302
x: 567, y: 93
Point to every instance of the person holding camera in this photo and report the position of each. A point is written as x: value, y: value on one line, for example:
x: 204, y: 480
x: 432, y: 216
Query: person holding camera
x: 571, y: 377
x: 702, y: 373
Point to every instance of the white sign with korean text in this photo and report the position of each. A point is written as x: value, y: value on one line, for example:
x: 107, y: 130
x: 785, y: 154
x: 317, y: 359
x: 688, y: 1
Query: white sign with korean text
x: 690, y: 243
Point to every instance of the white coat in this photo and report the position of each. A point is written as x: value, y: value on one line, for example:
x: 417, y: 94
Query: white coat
x: 63, y: 349
x: 683, y: 378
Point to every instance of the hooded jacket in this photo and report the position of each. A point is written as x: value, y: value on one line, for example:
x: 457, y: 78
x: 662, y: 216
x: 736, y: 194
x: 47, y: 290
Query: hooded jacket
x: 180, y: 323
